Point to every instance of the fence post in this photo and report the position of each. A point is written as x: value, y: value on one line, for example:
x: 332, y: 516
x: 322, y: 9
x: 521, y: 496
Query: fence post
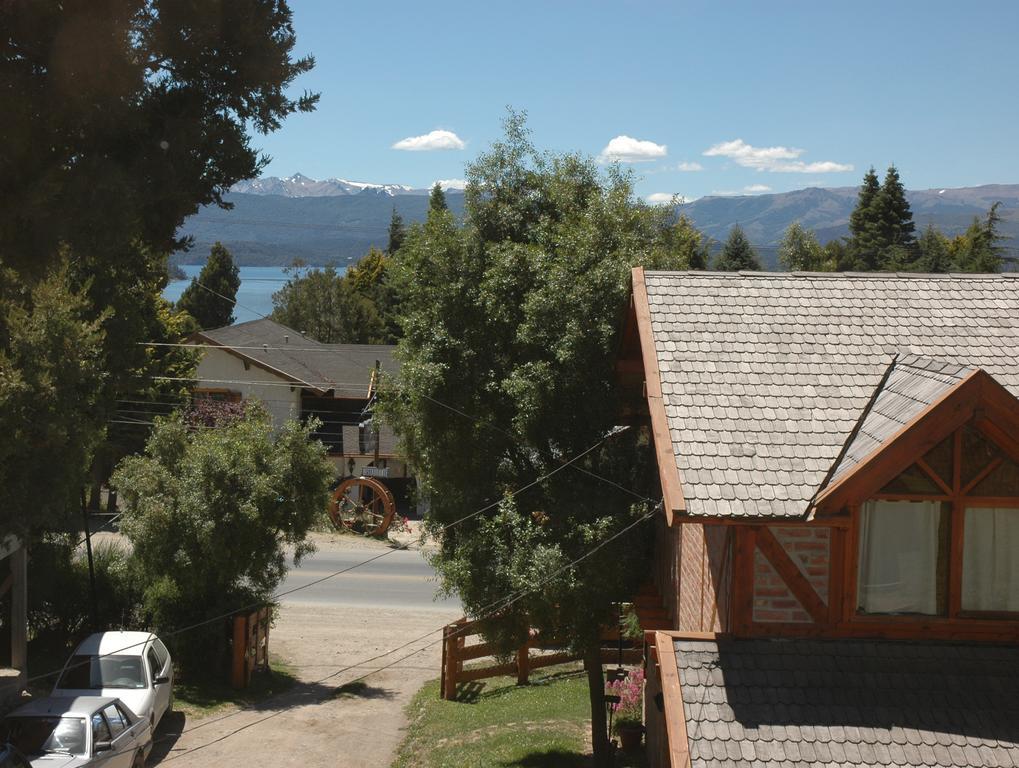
x: 450, y: 662
x: 239, y: 677
x: 523, y: 663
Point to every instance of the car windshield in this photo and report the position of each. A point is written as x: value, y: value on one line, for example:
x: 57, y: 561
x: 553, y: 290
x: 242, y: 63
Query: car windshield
x: 96, y: 672
x: 46, y: 733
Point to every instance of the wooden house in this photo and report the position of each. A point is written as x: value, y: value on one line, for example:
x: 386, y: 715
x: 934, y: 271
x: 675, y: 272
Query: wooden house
x: 296, y: 377
x: 838, y: 553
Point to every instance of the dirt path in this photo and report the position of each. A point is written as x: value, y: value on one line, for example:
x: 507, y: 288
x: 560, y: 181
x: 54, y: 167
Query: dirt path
x: 321, y: 722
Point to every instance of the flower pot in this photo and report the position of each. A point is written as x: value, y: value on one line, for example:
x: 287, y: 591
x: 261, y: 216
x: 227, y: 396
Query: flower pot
x: 630, y: 735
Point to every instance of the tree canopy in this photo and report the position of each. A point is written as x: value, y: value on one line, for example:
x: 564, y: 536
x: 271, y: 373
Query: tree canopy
x: 211, y: 512
x: 437, y: 199
x: 210, y: 298
x: 326, y: 306
x: 512, y: 319
x: 123, y: 118
x: 800, y: 251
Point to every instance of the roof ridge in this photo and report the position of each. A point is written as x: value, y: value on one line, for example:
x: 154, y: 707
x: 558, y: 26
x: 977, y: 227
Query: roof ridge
x: 834, y: 275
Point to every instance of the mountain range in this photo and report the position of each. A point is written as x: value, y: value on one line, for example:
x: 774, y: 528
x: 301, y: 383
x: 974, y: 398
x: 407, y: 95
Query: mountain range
x: 275, y: 221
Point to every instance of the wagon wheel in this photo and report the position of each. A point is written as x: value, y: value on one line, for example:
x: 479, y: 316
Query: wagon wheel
x: 362, y: 504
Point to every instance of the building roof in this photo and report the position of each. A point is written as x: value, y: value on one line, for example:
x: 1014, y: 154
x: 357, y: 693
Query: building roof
x: 793, y: 703
x: 764, y: 376
x: 911, y: 385
x: 346, y: 369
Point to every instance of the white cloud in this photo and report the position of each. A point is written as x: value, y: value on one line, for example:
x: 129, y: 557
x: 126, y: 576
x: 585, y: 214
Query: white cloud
x: 686, y: 167
x: 773, y: 159
x: 457, y: 184
x: 750, y: 189
x: 629, y: 150
x: 430, y: 141
x: 664, y: 198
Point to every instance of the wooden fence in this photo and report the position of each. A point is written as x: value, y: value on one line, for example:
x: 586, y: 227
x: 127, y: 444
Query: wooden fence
x: 456, y: 650
x: 250, y: 646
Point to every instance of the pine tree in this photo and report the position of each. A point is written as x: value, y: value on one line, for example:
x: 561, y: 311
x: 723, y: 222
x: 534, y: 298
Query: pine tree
x: 863, y: 244
x: 737, y: 254
x: 437, y: 199
x: 211, y: 296
x: 397, y: 232
x: 894, y: 219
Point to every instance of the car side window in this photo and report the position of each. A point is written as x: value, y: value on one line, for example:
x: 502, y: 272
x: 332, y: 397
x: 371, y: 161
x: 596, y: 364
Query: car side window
x: 100, y: 730
x: 116, y: 720
x: 127, y: 717
x: 155, y: 667
x: 161, y: 653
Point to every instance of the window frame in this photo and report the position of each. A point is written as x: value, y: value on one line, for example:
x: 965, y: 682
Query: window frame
x: 957, y: 495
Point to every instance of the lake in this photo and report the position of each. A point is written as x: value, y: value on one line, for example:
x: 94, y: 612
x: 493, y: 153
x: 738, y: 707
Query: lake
x: 254, y: 297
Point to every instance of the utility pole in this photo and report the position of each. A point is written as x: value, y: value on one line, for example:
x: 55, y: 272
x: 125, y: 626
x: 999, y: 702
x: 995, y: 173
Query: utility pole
x: 93, y: 599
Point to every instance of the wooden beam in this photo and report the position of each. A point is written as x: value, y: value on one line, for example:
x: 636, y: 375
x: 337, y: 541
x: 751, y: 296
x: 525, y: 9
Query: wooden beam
x: 743, y: 580
x: 675, y: 710
x: 668, y: 472
x: 802, y: 589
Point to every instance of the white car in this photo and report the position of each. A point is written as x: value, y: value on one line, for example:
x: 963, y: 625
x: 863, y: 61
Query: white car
x: 63, y: 732
x: 133, y: 666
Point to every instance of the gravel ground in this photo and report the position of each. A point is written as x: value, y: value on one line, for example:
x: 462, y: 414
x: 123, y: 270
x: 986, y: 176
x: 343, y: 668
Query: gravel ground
x: 322, y: 721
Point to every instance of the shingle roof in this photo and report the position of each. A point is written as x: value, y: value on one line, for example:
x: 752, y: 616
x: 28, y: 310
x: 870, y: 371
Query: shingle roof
x: 912, y: 384
x: 345, y: 368
x: 764, y: 376
x: 796, y: 703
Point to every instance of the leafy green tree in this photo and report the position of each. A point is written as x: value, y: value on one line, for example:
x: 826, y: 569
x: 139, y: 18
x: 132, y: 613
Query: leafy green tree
x: 397, y: 232
x: 688, y: 244
x: 737, y: 253
x: 513, y: 318
x: 129, y: 116
x: 51, y: 379
x: 934, y: 255
x: 371, y: 279
x: 211, y: 296
x: 837, y: 256
x: 211, y: 513
x: 800, y: 251
x: 126, y: 118
x: 437, y: 199
x: 324, y: 305
x: 978, y: 249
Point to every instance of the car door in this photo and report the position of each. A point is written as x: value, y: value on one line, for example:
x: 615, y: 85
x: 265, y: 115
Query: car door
x: 120, y: 753
x: 160, y: 691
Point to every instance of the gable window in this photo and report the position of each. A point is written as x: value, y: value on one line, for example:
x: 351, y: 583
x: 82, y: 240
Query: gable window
x: 942, y: 538
x: 903, y: 557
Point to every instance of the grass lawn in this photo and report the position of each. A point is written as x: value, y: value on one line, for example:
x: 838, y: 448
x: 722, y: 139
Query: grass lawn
x: 542, y: 725
x: 201, y: 699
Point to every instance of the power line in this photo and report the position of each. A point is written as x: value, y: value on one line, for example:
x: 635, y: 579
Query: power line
x: 347, y: 569
x: 488, y: 612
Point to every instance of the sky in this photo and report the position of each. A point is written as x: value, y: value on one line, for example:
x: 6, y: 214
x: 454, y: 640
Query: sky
x: 698, y: 98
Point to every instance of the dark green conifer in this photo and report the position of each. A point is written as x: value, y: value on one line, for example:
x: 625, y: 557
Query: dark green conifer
x: 737, y: 254
x: 211, y: 296
x: 437, y: 199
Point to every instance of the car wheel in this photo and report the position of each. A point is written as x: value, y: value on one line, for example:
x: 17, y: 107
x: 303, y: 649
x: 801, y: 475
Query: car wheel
x: 139, y: 761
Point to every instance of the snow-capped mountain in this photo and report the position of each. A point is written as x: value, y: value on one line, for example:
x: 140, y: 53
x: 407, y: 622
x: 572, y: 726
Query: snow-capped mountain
x: 300, y: 185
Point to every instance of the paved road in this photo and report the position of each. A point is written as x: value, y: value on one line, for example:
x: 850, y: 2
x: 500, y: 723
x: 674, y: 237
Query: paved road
x: 400, y: 579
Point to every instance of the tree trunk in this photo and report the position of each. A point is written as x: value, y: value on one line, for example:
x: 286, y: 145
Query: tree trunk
x: 596, y: 690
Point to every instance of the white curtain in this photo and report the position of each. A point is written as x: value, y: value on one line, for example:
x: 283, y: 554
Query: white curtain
x: 990, y: 560
x: 899, y: 557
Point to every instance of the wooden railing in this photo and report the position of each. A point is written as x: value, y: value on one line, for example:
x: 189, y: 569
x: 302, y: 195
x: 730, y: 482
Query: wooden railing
x: 456, y: 650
